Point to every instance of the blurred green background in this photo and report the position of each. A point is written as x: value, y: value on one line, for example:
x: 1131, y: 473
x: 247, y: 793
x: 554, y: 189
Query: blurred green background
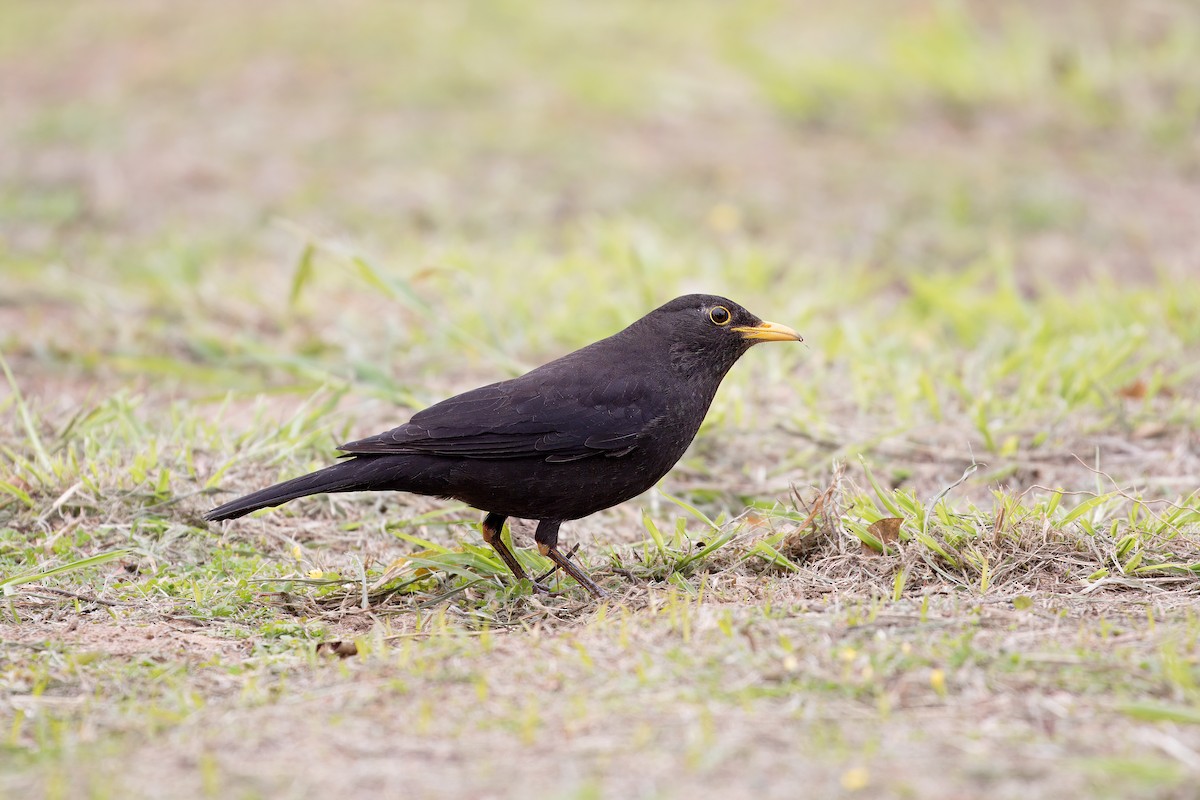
x: 143, y: 137
x: 981, y: 215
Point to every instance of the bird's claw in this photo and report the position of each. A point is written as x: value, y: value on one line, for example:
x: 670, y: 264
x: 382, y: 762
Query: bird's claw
x: 541, y: 588
x: 573, y: 570
x: 569, y: 554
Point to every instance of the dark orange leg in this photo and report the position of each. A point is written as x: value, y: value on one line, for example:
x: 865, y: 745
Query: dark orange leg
x: 547, y: 539
x: 493, y: 525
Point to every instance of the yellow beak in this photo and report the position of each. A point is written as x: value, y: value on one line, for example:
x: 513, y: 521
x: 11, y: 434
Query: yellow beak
x: 770, y: 332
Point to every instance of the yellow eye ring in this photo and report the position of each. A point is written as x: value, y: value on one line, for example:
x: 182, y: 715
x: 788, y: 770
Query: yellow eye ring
x: 719, y: 315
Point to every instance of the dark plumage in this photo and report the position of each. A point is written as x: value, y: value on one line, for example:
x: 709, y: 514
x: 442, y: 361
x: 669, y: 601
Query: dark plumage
x: 587, y: 431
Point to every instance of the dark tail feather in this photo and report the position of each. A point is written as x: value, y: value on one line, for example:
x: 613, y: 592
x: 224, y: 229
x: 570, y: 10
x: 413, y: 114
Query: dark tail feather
x: 352, y: 475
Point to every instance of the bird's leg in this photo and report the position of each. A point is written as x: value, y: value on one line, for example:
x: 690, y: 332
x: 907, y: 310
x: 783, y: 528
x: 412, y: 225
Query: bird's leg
x: 546, y: 537
x: 493, y: 526
x: 569, y: 554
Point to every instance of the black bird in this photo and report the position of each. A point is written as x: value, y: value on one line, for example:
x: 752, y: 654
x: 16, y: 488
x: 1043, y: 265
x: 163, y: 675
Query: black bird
x: 592, y: 429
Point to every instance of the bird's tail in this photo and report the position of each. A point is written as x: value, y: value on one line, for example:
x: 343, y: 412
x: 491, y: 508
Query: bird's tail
x: 345, y: 476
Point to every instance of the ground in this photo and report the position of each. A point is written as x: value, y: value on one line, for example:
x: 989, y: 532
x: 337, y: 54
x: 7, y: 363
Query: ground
x: 947, y: 548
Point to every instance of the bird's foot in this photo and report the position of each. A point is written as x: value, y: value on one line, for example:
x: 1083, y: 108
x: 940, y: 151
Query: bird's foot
x: 541, y: 588
x: 561, y: 561
x: 491, y: 535
x: 569, y: 554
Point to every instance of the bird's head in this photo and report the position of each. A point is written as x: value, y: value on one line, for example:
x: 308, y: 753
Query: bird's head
x: 710, y: 332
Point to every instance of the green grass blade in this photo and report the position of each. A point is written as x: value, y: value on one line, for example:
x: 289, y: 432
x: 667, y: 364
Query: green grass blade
x: 8, y: 584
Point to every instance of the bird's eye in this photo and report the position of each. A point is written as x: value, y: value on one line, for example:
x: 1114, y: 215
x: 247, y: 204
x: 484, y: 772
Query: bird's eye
x: 719, y: 315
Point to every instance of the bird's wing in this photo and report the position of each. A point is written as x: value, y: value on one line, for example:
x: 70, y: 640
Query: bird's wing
x: 523, y: 418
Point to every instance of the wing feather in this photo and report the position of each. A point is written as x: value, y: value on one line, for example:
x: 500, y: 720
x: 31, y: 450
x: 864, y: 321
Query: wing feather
x: 523, y: 418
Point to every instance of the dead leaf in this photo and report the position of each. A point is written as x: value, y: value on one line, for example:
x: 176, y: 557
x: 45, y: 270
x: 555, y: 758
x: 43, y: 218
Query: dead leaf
x: 339, y: 648
x: 1140, y: 390
x: 1133, y: 391
x: 886, y: 530
x: 1150, y: 430
x: 400, y: 565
